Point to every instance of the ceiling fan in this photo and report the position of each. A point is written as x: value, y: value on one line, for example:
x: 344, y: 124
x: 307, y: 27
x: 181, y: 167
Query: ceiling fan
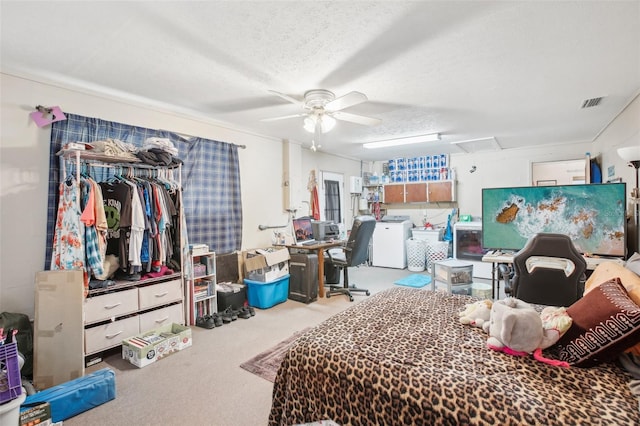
x: 321, y: 109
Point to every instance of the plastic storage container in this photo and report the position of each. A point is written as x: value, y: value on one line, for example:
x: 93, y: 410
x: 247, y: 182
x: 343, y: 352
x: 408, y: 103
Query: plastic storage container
x: 10, y: 411
x: 481, y: 290
x: 231, y: 295
x: 431, y: 235
x: 264, y: 295
x: 455, y: 275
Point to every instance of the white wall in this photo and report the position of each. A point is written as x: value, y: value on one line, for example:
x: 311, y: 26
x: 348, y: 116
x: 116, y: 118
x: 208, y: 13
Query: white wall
x: 492, y: 170
x: 24, y: 160
x: 24, y: 153
x: 624, y: 131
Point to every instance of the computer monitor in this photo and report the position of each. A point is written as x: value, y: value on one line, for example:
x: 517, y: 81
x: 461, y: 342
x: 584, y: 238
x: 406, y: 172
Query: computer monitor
x: 303, y: 230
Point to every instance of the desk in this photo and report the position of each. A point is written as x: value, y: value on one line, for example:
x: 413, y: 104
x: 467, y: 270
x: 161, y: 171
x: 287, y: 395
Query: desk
x: 496, y: 259
x: 319, y: 248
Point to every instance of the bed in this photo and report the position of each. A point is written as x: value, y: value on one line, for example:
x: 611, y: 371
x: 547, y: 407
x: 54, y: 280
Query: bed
x: 402, y: 357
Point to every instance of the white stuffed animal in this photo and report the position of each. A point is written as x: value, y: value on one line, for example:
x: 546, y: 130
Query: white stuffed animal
x: 477, y: 313
x: 516, y: 328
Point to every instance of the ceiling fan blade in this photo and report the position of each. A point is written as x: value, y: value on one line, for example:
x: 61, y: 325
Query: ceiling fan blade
x: 284, y: 117
x: 354, y: 118
x: 288, y: 98
x: 350, y: 99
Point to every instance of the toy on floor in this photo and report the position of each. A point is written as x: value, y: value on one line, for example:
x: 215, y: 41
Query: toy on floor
x: 477, y: 313
x: 516, y: 328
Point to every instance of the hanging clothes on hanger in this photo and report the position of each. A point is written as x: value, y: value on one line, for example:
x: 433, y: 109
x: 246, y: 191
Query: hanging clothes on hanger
x: 68, y: 240
x: 93, y: 254
x: 118, y: 202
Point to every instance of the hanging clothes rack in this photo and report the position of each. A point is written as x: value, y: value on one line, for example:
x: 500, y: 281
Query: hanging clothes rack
x: 78, y: 158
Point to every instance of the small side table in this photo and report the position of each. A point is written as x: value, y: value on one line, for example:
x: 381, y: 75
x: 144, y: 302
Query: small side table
x: 453, y: 276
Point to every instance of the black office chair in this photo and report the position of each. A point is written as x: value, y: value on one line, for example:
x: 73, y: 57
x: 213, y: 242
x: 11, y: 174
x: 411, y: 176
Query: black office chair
x: 354, y: 253
x: 549, y: 271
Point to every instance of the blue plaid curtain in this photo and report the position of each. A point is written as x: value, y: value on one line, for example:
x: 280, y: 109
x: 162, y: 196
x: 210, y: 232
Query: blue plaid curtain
x: 210, y: 178
x: 212, y: 202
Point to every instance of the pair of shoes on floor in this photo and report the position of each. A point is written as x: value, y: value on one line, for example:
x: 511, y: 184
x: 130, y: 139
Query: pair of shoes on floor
x: 228, y: 315
x: 246, y: 312
x: 209, y: 321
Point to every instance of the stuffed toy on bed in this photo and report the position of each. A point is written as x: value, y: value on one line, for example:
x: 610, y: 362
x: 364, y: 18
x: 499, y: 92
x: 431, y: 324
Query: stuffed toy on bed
x: 476, y: 314
x: 516, y: 328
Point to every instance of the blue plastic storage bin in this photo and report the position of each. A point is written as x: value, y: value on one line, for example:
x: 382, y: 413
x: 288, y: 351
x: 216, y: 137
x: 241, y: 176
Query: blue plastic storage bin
x: 264, y: 295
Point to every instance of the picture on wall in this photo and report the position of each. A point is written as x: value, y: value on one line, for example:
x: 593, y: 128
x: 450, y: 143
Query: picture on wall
x: 593, y: 216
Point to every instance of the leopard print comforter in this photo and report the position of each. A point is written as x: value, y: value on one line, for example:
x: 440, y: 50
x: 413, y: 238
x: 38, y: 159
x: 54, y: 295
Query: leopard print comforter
x: 402, y: 358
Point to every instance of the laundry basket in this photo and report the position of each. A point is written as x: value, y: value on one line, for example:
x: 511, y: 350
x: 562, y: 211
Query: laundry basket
x: 436, y: 251
x: 416, y: 255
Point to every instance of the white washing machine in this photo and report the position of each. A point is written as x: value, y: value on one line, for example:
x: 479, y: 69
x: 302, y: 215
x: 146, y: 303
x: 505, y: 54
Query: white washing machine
x: 389, y: 242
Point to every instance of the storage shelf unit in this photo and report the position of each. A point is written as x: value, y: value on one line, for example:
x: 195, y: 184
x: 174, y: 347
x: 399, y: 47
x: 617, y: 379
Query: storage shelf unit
x: 202, y: 285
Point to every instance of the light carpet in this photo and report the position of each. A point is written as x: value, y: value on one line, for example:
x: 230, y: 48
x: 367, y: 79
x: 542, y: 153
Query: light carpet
x: 266, y: 363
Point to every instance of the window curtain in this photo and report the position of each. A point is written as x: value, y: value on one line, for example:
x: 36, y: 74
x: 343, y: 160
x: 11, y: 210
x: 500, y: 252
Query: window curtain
x: 332, y: 201
x: 210, y: 179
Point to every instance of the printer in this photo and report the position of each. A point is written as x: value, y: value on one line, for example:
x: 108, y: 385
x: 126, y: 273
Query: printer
x: 325, y: 230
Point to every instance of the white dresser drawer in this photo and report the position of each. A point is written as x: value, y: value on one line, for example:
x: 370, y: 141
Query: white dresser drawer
x: 110, y: 305
x: 108, y: 335
x: 159, y: 317
x: 160, y: 294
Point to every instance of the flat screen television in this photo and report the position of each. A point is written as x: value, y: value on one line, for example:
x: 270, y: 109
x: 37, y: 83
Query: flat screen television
x: 593, y: 216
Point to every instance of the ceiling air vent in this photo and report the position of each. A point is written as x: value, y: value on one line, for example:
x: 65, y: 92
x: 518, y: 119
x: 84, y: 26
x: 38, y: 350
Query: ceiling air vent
x: 588, y: 103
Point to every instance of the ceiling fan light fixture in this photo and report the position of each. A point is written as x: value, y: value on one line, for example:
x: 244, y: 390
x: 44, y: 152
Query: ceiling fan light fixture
x: 326, y: 123
x: 432, y: 137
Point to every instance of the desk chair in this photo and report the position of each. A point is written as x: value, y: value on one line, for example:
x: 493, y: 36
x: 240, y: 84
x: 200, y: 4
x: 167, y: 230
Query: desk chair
x: 549, y: 271
x: 354, y: 253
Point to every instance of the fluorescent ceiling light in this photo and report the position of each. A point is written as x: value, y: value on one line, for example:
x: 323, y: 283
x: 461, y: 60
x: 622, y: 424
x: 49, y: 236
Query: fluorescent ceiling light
x: 403, y: 141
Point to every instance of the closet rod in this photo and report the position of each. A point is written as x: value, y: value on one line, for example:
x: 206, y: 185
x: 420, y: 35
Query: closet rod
x: 187, y: 137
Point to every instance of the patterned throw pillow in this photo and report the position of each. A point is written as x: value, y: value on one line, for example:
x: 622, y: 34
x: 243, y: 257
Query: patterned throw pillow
x: 605, y: 323
x: 629, y: 279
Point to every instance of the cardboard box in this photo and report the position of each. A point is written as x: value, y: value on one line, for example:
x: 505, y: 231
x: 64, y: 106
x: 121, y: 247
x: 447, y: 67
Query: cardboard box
x: 266, y: 265
x: 39, y: 415
x: 146, y: 348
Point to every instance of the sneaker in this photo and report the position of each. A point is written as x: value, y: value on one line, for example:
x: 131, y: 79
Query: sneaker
x: 251, y: 310
x: 244, y: 313
x: 228, y: 315
x: 217, y: 320
x: 205, y: 322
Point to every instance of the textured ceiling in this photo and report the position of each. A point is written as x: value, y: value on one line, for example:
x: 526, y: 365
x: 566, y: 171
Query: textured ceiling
x: 517, y: 72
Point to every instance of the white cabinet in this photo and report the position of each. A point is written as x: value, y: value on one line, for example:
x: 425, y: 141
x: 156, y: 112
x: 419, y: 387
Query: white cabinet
x: 129, y: 308
x: 420, y: 192
x: 110, y: 305
x: 389, y: 244
x: 202, y: 285
x: 69, y: 328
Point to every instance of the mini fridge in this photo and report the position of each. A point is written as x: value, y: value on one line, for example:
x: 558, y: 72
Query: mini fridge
x: 389, y: 243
